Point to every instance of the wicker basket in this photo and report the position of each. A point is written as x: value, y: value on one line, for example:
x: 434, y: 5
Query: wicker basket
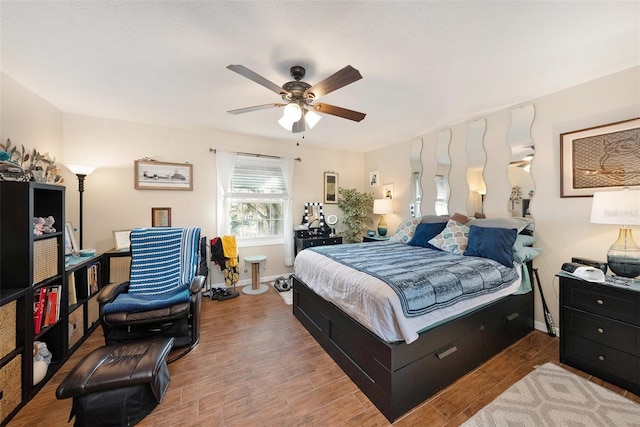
x: 76, y: 326
x: 8, y: 329
x: 93, y: 311
x: 45, y: 259
x: 11, y: 380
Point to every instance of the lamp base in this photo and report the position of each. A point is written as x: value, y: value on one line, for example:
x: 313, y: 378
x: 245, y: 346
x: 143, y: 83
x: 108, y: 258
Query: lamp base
x: 623, y: 256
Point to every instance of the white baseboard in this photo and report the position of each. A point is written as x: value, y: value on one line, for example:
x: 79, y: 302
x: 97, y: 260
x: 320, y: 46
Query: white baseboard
x: 541, y: 326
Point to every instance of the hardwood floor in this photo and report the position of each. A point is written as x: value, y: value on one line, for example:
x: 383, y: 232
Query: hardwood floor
x: 257, y: 366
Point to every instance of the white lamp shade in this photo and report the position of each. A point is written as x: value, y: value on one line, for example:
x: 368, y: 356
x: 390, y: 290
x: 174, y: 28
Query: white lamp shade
x: 285, y: 122
x: 382, y: 206
x: 311, y: 118
x: 80, y: 168
x: 616, y: 207
x: 292, y: 112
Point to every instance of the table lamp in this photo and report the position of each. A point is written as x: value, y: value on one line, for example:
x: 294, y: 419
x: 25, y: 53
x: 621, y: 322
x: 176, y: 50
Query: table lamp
x: 382, y: 207
x: 620, y: 208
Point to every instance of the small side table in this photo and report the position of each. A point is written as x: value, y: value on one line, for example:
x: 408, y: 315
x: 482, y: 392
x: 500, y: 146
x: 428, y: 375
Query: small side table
x: 256, y: 287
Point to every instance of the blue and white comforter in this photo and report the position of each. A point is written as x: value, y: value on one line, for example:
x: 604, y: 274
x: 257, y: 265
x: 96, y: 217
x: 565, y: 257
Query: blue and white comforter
x: 361, y: 291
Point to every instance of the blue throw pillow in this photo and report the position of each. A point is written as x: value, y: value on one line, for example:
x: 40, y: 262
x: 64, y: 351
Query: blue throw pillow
x: 425, y: 232
x: 493, y: 243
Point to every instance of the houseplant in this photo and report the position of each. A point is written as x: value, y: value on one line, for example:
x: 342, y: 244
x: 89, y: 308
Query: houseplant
x: 355, y: 207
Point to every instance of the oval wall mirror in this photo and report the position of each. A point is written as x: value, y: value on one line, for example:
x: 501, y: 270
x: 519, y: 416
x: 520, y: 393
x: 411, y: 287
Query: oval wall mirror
x: 415, y: 186
x: 477, y: 158
x: 443, y: 189
x: 522, y: 152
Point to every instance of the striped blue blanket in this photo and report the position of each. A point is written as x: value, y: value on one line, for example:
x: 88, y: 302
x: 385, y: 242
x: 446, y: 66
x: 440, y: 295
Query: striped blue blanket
x: 163, y: 264
x: 424, y: 279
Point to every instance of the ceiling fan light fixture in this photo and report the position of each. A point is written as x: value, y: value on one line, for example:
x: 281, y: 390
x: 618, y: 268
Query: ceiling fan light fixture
x: 292, y: 112
x: 286, y: 123
x: 311, y: 118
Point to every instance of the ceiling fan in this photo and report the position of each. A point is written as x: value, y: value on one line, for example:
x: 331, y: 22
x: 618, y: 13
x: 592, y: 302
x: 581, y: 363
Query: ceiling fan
x: 299, y: 97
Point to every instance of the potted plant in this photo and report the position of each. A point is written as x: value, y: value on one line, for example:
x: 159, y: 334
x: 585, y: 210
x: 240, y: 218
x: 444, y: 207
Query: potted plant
x: 356, y: 207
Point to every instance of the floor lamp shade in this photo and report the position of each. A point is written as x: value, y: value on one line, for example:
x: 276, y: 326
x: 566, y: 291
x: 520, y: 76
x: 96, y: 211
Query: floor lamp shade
x: 620, y: 208
x: 382, y: 207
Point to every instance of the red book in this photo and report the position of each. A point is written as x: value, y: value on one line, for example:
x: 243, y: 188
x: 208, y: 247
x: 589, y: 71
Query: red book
x: 38, y: 308
x: 52, y: 307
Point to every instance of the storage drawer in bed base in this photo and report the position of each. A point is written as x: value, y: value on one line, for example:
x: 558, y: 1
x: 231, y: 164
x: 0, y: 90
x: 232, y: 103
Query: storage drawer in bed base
x: 396, y: 376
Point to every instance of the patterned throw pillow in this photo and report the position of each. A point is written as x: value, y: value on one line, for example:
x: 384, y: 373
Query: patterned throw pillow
x: 454, y: 238
x: 406, y: 230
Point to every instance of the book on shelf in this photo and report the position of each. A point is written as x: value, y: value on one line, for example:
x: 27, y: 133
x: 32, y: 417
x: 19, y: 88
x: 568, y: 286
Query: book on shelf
x: 39, y: 297
x: 71, y: 286
x: 52, y: 313
x: 92, y: 279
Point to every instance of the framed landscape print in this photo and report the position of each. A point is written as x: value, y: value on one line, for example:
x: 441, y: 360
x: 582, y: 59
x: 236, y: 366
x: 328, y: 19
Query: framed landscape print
x: 152, y: 175
x: 600, y: 158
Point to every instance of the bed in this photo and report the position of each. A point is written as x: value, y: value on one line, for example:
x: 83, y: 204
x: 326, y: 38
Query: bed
x: 400, y: 362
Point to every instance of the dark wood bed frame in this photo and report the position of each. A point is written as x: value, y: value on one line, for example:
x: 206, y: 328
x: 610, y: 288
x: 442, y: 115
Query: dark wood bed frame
x: 398, y: 376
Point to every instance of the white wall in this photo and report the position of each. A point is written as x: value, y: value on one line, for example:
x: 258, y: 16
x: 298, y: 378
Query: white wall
x: 562, y: 224
x: 112, y: 203
x: 29, y: 120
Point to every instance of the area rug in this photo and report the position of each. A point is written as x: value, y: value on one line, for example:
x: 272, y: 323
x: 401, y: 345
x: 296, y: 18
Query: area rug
x: 286, y: 296
x: 552, y: 396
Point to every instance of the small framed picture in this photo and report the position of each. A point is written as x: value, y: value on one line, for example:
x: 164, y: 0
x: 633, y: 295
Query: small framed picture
x: 38, y: 176
x: 161, y: 217
x: 374, y: 179
x: 330, y: 187
x: 121, y: 240
x: 387, y: 190
x: 70, y: 243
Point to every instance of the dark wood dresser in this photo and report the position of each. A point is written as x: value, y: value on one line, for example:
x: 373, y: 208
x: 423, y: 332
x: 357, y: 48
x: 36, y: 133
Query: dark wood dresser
x: 303, y: 240
x: 600, y: 330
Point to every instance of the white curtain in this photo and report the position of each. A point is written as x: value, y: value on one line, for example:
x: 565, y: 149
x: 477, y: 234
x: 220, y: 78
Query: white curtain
x: 288, y: 166
x: 225, y: 163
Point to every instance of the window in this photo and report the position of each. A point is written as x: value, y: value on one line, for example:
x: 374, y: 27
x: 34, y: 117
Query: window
x: 257, y: 199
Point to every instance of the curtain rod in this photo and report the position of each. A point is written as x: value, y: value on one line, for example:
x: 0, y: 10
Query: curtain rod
x: 298, y: 159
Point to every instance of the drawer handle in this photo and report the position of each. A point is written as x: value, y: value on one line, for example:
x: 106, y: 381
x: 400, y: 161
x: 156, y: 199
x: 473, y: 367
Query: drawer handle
x: 444, y: 353
x: 600, y: 330
x: 512, y: 317
x: 601, y: 358
x: 600, y: 302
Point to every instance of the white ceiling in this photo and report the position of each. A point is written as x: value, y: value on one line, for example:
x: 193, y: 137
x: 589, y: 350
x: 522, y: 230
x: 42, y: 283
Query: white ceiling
x: 425, y: 64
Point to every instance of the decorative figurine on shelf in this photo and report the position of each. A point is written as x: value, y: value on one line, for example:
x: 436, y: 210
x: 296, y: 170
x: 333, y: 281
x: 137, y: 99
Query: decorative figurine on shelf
x: 38, y: 224
x: 48, y: 225
x: 41, y: 361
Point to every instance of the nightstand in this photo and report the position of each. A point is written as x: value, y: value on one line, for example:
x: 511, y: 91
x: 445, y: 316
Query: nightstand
x: 600, y: 330
x: 376, y: 238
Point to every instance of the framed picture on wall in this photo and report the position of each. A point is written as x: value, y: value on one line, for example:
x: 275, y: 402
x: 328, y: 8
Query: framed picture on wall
x: 161, y: 217
x: 152, y: 175
x: 374, y: 179
x: 600, y: 158
x: 387, y: 191
x: 330, y: 188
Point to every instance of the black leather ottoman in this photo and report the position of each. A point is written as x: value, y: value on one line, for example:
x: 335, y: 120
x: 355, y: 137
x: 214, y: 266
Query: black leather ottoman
x: 118, y: 385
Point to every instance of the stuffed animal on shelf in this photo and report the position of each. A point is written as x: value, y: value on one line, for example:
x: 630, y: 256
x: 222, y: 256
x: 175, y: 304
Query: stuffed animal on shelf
x: 38, y: 225
x: 41, y: 361
x: 48, y: 225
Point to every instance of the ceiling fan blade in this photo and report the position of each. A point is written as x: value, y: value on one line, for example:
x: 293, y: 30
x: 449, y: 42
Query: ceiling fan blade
x: 298, y: 126
x: 338, y: 111
x: 335, y: 81
x: 251, y: 75
x: 254, y: 108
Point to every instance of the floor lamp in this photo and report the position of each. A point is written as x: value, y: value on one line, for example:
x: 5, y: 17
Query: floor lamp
x: 81, y: 171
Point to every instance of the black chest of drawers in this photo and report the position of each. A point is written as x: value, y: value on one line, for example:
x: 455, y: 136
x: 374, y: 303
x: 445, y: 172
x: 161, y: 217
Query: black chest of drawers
x: 600, y: 331
x: 308, y: 242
